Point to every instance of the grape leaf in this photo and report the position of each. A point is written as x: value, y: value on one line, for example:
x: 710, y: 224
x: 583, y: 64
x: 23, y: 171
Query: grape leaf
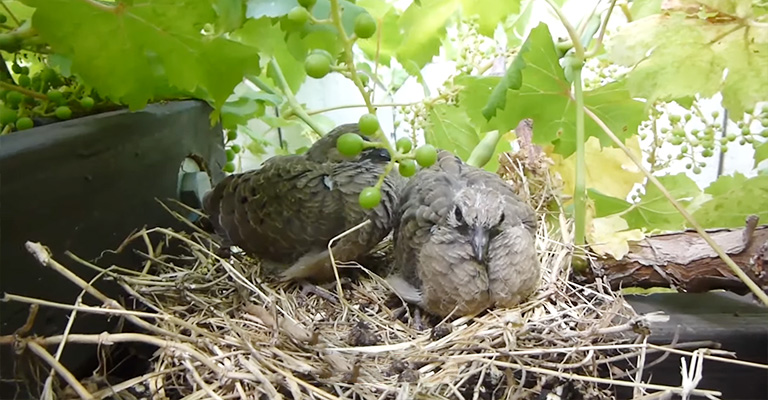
x: 644, y: 8
x: 761, y: 153
x: 707, y: 47
x: 654, y: 212
x: 725, y: 183
x: 391, y: 38
x: 512, y: 80
x: 151, y: 44
x: 423, y: 28
x: 609, y: 170
x: 611, y: 235
x: 450, y: 129
x: 734, y: 200
x: 489, y: 12
x: 288, y: 50
x: 349, y: 11
x: 515, y: 27
x: 545, y: 96
x: 606, y: 205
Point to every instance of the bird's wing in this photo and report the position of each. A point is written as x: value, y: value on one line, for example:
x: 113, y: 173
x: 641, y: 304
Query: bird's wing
x: 281, y: 210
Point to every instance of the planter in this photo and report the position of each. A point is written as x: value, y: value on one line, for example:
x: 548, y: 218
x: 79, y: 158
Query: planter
x: 735, y: 322
x: 84, y: 185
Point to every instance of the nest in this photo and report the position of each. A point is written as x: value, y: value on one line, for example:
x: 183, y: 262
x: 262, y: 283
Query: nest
x: 220, y: 329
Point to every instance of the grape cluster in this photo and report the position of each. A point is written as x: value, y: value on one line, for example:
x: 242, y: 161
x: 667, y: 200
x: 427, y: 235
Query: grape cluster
x: 33, y: 93
x: 232, y: 151
x: 473, y: 49
x: 351, y: 144
x: 699, y: 136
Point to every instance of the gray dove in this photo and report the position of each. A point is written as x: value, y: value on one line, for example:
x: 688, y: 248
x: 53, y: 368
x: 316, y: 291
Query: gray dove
x: 287, y: 211
x: 463, y: 241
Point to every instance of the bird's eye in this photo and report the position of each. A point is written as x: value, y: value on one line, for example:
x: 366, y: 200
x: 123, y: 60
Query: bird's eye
x: 457, y: 215
x: 496, y: 229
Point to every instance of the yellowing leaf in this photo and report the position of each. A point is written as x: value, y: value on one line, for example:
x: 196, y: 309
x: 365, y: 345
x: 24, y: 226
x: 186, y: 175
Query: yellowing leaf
x: 689, y: 55
x: 609, y: 170
x: 610, y: 236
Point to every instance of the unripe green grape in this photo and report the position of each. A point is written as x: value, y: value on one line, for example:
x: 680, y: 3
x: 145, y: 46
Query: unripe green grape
x: 426, y: 155
x: 706, y: 153
x: 678, y: 132
x: 764, y: 133
x: 236, y: 148
x: 764, y: 122
x: 231, y: 135
x: 24, y: 70
x: 679, y: 157
x: 749, y: 139
x: 688, y: 117
x: 7, y: 115
x: 749, y: 110
x: 368, y: 124
x: 664, y: 130
x: 365, y: 25
x: 696, y: 170
x: 230, y: 155
x: 25, y: 81
x: 318, y: 64
x: 702, y: 164
x: 731, y: 136
x: 16, y: 68
x: 742, y: 141
x: 63, y: 112
x: 56, y: 97
x: 307, y: 3
x: 693, y: 141
x: 724, y: 149
x: 407, y: 167
x: 350, y: 144
x: 684, y: 149
x: 688, y: 166
x: 715, y: 114
x: 404, y: 145
x: 87, y: 103
x: 229, y: 167
x: 745, y: 131
x: 723, y: 141
x: 674, y: 118
x: 369, y: 197
x: 3, y: 18
x: 298, y: 15
x: 24, y: 123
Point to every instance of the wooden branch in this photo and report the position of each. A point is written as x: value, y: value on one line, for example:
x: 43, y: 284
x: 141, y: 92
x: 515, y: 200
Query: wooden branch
x: 683, y: 260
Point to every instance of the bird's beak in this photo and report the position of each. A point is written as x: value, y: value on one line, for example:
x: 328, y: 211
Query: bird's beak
x: 480, y: 244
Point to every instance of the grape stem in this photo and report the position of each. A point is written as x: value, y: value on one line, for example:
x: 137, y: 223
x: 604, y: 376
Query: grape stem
x: 350, y: 61
x: 30, y: 93
x: 601, y: 35
x: 346, y: 106
x: 10, y: 13
x: 277, y: 75
x: 699, y: 229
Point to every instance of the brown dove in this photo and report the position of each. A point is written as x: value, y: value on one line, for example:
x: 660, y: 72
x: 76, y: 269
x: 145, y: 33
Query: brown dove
x: 287, y: 211
x: 464, y: 242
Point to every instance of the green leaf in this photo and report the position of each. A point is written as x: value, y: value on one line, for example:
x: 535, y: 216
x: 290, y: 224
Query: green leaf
x: 545, y: 96
x: 489, y: 12
x: 761, y: 153
x: 239, y: 112
x: 391, y: 38
x: 735, y: 199
x: 288, y: 50
x: 231, y: 14
x: 606, y: 205
x: 515, y: 27
x: 150, y: 45
x: 423, y: 28
x: 725, y: 183
x: 349, y: 11
x: 450, y: 129
x: 269, y: 8
x: 707, y: 47
x: 643, y: 8
x: 512, y: 80
x: 654, y: 212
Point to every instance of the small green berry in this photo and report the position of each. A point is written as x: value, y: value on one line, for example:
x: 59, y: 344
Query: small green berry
x: 407, y: 167
x: 350, y: 144
x: 370, y: 197
x: 426, y: 155
x: 231, y: 135
x: 63, y: 112
x: 404, y: 145
x: 229, y: 167
x: 368, y: 124
x: 365, y: 25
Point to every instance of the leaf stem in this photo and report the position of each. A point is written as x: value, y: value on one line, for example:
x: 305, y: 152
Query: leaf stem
x: 349, y: 59
x: 699, y: 229
x: 577, y: 46
x: 277, y: 75
x: 601, y: 35
x: 10, y: 13
x: 346, y: 106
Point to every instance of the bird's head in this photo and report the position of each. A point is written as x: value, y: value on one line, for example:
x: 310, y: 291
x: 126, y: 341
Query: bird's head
x: 477, y: 214
x: 324, y: 149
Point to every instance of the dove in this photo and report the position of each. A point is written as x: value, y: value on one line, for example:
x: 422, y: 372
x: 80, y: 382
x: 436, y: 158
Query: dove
x: 287, y: 211
x: 463, y: 241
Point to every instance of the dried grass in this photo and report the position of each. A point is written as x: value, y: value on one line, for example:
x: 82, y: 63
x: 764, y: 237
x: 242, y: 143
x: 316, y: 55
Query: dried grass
x: 223, y: 332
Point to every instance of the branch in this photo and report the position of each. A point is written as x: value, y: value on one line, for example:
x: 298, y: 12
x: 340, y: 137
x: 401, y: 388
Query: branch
x: 722, y: 254
x: 297, y: 108
x: 603, y: 28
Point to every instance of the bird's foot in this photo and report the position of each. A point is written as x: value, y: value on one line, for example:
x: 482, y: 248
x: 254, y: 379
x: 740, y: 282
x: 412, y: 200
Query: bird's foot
x: 320, y: 290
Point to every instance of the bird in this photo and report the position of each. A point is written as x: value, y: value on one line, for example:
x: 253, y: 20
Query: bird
x: 463, y: 241
x: 286, y: 212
